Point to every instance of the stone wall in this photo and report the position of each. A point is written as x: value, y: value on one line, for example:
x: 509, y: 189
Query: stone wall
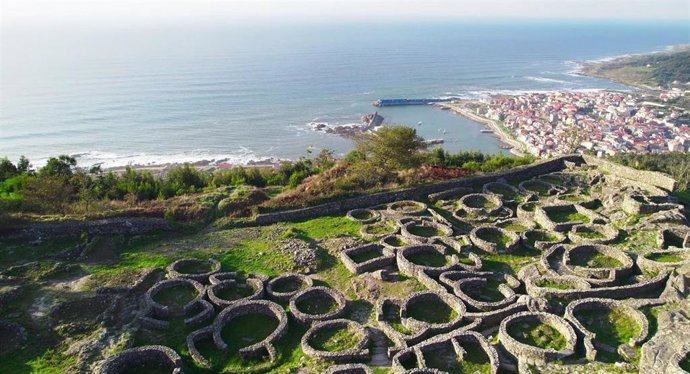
x: 653, y: 178
x: 107, y: 226
x: 340, y: 206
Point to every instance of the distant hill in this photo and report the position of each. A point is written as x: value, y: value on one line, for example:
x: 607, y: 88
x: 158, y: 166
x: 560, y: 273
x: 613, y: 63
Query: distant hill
x: 647, y: 71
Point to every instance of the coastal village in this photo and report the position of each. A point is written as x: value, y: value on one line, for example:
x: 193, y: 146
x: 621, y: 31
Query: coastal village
x: 602, y: 122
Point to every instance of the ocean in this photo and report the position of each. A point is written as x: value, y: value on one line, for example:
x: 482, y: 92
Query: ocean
x: 237, y: 94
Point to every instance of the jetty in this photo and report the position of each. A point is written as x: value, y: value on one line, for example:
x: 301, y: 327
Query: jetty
x: 401, y: 102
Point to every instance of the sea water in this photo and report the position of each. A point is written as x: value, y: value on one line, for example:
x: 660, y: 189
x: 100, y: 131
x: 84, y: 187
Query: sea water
x: 153, y: 95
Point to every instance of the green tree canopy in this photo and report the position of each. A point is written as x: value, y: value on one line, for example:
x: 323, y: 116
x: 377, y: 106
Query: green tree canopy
x: 392, y: 147
x: 61, y: 166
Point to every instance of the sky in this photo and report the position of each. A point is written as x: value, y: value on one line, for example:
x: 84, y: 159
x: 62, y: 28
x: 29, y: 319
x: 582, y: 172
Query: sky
x: 152, y: 12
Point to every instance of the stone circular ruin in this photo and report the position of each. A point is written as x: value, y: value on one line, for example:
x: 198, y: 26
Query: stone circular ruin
x: 532, y: 354
x: 561, y: 287
x: 283, y: 287
x: 525, y: 211
x: 165, y: 311
x: 249, y: 308
x: 394, y: 242
x: 228, y: 292
x: 599, y: 264
x: 432, y: 310
x: 602, y: 307
x: 144, y: 358
x: 516, y: 225
x: 593, y: 234
x: 349, y: 369
x: 195, y: 269
x: 508, y: 193
x: 494, y: 239
x: 407, y: 207
x: 363, y: 215
x: 539, y: 188
x: 221, y: 277
x: 472, y: 291
x: 481, y: 204
x: 378, y: 230
x: 310, y: 341
x: 663, y: 260
x: 541, y: 239
x: 424, y: 258
x: 316, y: 304
x: 424, y: 231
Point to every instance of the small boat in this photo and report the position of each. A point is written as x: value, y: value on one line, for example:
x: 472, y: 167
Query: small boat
x: 486, y: 131
x: 419, y: 123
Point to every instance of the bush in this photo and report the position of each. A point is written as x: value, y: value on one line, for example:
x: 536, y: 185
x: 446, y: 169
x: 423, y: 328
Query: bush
x: 392, y: 147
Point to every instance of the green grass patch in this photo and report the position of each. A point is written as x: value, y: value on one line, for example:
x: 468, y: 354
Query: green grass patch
x: 506, y: 192
x: 287, y: 286
x: 327, y: 227
x: 395, y: 241
x: 194, y: 267
x: 176, y: 297
x: 362, y: 214
x: 550, y: 283
x: 432, y: 312
x: 500, y: 239
x: 235, y: 292
x: 537, y: 334
x: 685, y: 363
x: 488, y: 293
x: 541, y: 236
x: 445, y: 359
x: 366, y: 255
x: 424, y: 231
x: 594, y: 259
x: 563, y: 216
x: 514, y: 227
x: 665, y: 257
x: 246, y: 330
x: 381, y: 228
x: 590, y: 234
x: 335, y: 340
x: 613, y: 327
x: 317, y: 305
x: 428, y: 258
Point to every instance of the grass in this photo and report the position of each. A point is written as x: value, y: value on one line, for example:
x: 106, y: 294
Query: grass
x: 489, y: 292
x: 589, y: 234
x: 594, y: 259
x: 246, y: 330
x: 506, y: 192
x: 563, y: 216
x: 287, y: 286
x: 480, y: 202
x: 428, y: 258
x: 335, y: 340
x: 514, y: 227
x: 424, y: 231
x: 194, y: 267
x: 500, y: 239
x: 317, y: 305
x: 551, y: 179
x: 549, y: 283
x: 395, y: 241
x: 445, y: 359
x: 432, y: 312
x: 366, y: 255
x: 540, y: 188
x: 665, y: 257
x: 535, y: 236
x: 176, y: 297
x: 613, y: 327
x: 381, y: 228
x: 234, y: 292
x: 537, y: 334
x: 327, y: 227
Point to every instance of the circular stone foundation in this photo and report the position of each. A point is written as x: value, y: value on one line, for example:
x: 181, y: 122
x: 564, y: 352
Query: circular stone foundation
x: 663, y: 260
x: 493, y: 239
x: 363, y: 215
x: 537, y: 337
x: 597, y: 262
x: 423, y: 231
x: 174, y: 297
x: 228, y: 292
x: 198, y: 270
x: 593, y: 234
x: 539, y: 187
x: 338, y: 340
x: 317, y: 304
x: 145, y: 359
x: 507, y: 192
x: 407, y: 207
x: 480, y: 204
x: 433, y: 309
x: 541, y: 239
x: 283, y: 287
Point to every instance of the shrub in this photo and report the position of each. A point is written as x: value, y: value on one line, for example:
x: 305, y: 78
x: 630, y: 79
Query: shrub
x: 392, y: 147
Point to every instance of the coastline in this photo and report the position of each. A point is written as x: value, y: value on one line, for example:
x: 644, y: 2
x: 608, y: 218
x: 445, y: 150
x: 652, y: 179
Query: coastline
x: 516, y: 147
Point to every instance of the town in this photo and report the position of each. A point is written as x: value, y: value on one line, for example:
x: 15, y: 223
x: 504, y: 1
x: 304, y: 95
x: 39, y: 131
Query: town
x: 600, y: 122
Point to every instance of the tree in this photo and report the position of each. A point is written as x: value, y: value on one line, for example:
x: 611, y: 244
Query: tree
x: 50, y: 194
x: 7, y: 169
x: 392, y: 147
x: 23, y: 166
x: 61, y: 166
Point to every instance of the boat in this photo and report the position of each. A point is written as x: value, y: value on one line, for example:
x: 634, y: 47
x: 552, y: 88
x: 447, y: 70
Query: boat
x: 487, y: 131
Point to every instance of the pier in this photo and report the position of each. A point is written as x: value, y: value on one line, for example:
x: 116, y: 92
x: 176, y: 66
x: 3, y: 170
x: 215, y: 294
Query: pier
x: 400, y: 102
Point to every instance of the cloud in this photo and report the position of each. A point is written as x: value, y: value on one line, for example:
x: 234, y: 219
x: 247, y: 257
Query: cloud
x: 123, y: 12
